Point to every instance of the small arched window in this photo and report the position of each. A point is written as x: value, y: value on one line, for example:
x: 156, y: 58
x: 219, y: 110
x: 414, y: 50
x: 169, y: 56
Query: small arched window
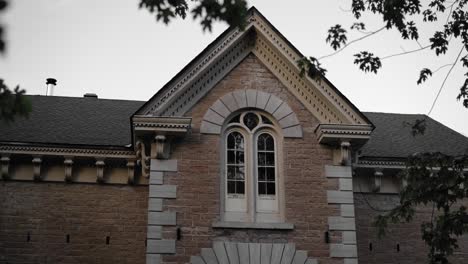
x: 251, y: 181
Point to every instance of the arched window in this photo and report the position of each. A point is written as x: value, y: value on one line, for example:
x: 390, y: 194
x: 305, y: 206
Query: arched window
x: 251, y: 176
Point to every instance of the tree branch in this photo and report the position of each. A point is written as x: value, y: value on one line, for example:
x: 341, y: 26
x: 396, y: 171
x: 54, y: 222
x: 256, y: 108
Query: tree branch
x: 443, y: 83
x: 404, y: 53
x: 351, y: 42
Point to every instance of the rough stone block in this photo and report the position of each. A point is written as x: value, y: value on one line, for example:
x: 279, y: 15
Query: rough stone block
x: 162, y: 191
x: 341, y: 223
x: 164, y: 246
x: 230, y: 102
x: 163, y: 165
x: 273, y: 104
x: 262, y: 99
x: 209, y: 128
x: 311, y: 261
x: 213, y: 117
x: 154, y: 232
x: 282, y: 111
x: 347, y: 210
x: 155, y: 205
x: 251, y: 97
x: 350, y: 261
x: 153, y: 259
x: 162, y: 218
x: 340, y: 197
x: 241, y: 98
x: 343, y: 251
x: 289, y: 120
x: 293, y: 132
x: 156, y: 177
x: 221, y: 109
x: 349, y: 237
x: 209, y: 256
x: 338, y: 171
x: 346, y: 184
x: 300, y: 257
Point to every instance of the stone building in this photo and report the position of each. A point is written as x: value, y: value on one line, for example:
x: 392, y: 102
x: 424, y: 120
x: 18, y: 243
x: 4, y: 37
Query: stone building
x: 237, y: 159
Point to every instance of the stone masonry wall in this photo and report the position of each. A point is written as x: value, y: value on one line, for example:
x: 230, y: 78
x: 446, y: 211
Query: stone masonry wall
x: 37, y: 218
x: 198, y: 178
x: 403, y: 243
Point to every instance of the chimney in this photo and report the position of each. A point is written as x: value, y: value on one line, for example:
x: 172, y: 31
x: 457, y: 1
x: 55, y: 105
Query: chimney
x: 50, y: 82
x: 90, y: 95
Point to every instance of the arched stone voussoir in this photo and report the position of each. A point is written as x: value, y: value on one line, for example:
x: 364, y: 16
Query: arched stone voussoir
x: 216, y: 115
x: 234, y: 252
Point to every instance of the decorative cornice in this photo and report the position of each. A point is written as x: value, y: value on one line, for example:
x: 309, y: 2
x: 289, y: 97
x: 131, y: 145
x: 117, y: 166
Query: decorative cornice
x: 380, y: 164
x: 58, y: 151
x: 162, y: 125
x: 333, y: 134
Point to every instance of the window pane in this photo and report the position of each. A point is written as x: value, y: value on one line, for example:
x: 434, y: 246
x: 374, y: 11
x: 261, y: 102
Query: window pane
x: 231, y: 187
x: 261, y: 143
x: 239, y: 173
x: 239, y: 141
x: 231, y: 172
x: 270, y: 158
x: 230, y: 157
x: 262, y: 188
x: 231, y: 141
x: 251, y: 120
x: 270, y: 188
x: 239, y: 157
x: 265, y: 120
x: 261, y: 173
x: 240, y: 187
x: 270, y: 174
x: 261, y: 158
x: 269, y: 142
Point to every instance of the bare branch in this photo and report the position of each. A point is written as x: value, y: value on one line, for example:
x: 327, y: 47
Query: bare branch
x: 404, y: 53
x: 443, y: 83
x: 351, y: 42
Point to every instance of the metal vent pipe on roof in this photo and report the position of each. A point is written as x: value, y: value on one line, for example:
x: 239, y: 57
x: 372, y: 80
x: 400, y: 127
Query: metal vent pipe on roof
x: 50, y: 83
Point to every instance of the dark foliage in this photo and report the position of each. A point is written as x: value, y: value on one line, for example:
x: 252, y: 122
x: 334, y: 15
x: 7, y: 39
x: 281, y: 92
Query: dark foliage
x: 12, y: 103
x: 440, y: 182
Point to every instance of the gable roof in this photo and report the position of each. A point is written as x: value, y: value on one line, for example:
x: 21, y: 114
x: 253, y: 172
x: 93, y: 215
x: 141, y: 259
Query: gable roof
x: 263, y: 40
x: 73, y: 121
x: 392, y: 137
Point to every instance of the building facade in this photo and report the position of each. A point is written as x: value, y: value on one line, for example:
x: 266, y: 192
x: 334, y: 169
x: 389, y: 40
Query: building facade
x: 237, y: 159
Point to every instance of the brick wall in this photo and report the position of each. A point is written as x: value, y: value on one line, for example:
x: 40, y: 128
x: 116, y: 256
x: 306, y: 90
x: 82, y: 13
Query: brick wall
x: 198, y: 199
x: 411, y: 247
x: 87, y: 213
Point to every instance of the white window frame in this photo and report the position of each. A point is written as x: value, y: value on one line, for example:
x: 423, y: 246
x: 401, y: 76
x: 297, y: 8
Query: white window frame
x: 252, y: 199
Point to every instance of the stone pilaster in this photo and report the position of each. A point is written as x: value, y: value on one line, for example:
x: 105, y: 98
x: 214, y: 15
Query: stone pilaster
x: 345, y: 222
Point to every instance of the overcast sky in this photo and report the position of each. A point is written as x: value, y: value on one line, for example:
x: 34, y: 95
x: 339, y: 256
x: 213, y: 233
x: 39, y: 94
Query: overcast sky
x: 113, y: 49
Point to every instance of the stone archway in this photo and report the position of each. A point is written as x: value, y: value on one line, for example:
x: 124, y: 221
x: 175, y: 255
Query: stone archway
x: 215, y: 116
x: 252, y: 253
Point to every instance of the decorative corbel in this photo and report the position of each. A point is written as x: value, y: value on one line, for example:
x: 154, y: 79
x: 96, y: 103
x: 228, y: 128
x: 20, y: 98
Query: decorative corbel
x: 5, y: 162
x: 131, y: 171
x: 37, y: 162
x: 377, y: 181
x: 68, y: 163
x: 142, y: 159
x: 345, y: 153
x: 163, y: 147
x: 100, y: 170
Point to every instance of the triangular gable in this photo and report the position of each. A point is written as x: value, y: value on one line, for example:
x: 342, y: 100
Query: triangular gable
x: 321, y: 98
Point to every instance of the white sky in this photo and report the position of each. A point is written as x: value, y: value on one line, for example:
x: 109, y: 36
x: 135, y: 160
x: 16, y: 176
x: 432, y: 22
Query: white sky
x: 115, y: 50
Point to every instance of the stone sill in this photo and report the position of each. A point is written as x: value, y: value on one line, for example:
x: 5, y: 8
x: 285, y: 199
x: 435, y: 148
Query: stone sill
x: 246, y: 225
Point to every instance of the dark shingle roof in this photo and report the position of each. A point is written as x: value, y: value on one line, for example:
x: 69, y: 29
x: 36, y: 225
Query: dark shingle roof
x: 392, y: 137
x: 73, y: 120
x: 104, y: 122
